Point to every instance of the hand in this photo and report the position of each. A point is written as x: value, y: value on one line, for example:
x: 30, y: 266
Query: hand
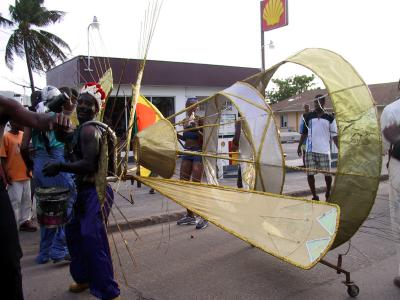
x: 51, y: 169
x: 63, y: 120
x: 69, y: 106
x: 299, y: 152
x: 28, y: 173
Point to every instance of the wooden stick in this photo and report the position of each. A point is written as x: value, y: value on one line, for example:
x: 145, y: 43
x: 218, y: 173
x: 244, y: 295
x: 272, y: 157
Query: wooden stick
x: 209, y: 125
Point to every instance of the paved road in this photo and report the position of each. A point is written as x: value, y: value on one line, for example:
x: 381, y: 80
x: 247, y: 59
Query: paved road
x: 175, y: 262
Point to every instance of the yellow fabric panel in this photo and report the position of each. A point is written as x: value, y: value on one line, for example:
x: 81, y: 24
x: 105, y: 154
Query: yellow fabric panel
x: 156, y: 148
x: 295, y: 230
x: 143, y: 171
x: 106, y: 82
x: 360, y: 151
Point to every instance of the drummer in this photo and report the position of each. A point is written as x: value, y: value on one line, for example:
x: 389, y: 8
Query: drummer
x: 91, y: 265
x: 10, y: 251
x: 53, y: 245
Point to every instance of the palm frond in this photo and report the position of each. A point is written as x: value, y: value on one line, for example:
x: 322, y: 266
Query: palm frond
x: 43, y: 51
x: 47, y: 17
x: 14, y: 46
x: 5, y: 22
x: 55, y: 39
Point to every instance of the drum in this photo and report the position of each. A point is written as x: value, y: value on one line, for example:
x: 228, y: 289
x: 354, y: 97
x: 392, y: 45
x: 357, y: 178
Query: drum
x: 52, y: 205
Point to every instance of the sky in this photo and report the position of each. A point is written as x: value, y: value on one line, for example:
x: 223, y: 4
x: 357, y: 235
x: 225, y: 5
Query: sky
x: 226, y: 32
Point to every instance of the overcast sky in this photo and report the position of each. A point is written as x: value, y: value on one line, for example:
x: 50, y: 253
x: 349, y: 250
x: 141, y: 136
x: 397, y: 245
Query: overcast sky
x: 227, y: 32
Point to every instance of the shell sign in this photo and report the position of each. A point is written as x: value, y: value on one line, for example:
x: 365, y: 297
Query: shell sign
x: 274, y: 14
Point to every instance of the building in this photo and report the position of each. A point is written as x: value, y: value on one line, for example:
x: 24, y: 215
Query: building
x: 288, y: 112
x: 23, y: 99
x: 166, y: 84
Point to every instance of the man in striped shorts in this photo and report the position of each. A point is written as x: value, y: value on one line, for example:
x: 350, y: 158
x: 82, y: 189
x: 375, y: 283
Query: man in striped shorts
x: 319, y: 128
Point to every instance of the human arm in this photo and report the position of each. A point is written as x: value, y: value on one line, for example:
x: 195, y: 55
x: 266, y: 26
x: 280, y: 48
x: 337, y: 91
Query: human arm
x: 90, y: 145
x: 25, y: 148
x: 13, y: 110
x: 236, y: 137
x: 333, y: 130
x: 3, y: 160
x: 302, y: 139
x: 303, y: 132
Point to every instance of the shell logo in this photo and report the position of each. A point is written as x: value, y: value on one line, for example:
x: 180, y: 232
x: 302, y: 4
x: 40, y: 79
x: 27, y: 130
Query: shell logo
x: 273, y: 11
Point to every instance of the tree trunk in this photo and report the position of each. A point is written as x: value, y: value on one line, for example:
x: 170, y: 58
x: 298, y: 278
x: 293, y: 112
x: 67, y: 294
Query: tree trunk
x: 28, y: 63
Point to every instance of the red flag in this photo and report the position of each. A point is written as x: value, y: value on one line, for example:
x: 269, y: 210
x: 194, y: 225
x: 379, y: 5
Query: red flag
x: 274, y: 14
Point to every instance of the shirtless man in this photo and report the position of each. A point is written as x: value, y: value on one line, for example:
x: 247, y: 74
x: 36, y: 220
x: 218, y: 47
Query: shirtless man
x: 91, y: 263
x: 10, y: 251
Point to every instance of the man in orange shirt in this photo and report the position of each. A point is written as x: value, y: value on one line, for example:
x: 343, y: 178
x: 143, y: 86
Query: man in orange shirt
x: 17, y: 177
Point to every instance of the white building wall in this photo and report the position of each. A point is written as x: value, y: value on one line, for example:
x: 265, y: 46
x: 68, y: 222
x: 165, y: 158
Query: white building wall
x: 180, y: 93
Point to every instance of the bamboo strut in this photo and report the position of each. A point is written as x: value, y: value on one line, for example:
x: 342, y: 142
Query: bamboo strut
x: 210, y: 125
x: 201, y: 118
x: 151, y: 17
x: 203, y: 154
x: 188, y: 108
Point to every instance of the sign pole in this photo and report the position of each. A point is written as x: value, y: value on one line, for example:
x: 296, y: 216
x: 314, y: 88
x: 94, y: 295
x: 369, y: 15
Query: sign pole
x: 262, y: 37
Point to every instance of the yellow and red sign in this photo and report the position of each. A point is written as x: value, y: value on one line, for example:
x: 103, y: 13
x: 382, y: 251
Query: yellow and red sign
x: 274, y: 14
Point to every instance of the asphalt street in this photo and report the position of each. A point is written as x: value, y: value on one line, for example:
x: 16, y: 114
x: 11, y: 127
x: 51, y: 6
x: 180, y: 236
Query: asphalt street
x: 173, y: 262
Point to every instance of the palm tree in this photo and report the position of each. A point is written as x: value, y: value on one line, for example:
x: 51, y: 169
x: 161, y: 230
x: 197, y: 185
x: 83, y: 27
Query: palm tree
x: 41, y: 49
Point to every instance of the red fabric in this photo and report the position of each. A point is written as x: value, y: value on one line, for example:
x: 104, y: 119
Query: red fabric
x: 99, y: 89
x: 145, y: 115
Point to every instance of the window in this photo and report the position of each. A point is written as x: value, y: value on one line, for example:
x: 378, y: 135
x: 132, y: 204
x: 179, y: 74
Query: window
x: 166, y: 105
x: 284, y: 121
x: 115, y: 115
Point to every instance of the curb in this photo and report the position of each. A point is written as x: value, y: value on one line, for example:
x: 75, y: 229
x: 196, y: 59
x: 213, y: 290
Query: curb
x: 171, y: 217
x: 153, y: 220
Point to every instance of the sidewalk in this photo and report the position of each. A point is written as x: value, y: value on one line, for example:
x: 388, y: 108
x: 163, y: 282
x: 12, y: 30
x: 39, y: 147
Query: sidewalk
x: 149, y: 209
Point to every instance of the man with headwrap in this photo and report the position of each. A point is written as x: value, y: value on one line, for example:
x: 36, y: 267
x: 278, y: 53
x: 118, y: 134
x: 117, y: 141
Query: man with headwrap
x: 10, y: 251
x: 91, y: 265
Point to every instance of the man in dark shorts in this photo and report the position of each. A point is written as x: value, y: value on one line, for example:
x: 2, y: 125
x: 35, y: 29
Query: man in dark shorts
x: 319, y: 128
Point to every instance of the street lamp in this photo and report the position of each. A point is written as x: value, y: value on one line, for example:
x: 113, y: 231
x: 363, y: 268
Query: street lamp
x: 270, y: 45
x: 95, y: 24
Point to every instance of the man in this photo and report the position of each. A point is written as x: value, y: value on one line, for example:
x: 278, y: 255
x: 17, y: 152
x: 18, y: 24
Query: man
x: 235, y: 148
x: 302, y: 124
x: 319, y: 128
x: 18, y: 177
x: 91, y: 264
x: 10, y: 251
x: 53, y: 245
x: 390, y: 120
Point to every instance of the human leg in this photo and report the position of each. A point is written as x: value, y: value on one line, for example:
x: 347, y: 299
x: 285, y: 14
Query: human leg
x: 323, y: 163
x: 15, y: 193
x: 311, y: 164
x: 10, y: 251
x: 46, y: 240
x: 197, y: 174
x: 26, y: 208
x: 59, y: 249
x: 328, y: 182
x: 78, y: 266
x: 394, y: 205
x: 95, y: 245
x: 311, y: 184
x: 185, y: 174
